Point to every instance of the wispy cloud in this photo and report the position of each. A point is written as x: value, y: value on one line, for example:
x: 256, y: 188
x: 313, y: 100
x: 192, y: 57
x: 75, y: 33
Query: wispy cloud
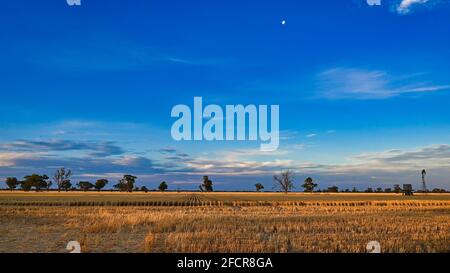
x: 135, y: 161
x: 22, y: 163
x: 288, y: 134
x: 198, y: 61
x: 395, y: 165
x: 178, y: 60
x: 405, y: 6
x: 235, y: 168
x: 434, y: 156
x: 300, y: 146
x: 356, y: 83
x: 167, y: 150
x: 10, y: 159
x: 106, y: 55
x: 94, y: 148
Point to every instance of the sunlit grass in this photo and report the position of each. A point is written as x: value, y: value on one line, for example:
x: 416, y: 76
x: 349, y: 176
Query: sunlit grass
x: 215, y: 224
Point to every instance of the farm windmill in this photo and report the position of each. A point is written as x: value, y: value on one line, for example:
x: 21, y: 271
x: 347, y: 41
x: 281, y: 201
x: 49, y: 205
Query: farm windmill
x: 424, y: 185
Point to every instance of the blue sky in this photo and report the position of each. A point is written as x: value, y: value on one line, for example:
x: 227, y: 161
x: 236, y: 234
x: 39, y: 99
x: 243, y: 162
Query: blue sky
x: 363, y: 90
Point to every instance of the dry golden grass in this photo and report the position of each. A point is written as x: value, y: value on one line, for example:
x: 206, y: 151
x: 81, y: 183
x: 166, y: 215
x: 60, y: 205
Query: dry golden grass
x: 92, y: 198
x: 238, y: 226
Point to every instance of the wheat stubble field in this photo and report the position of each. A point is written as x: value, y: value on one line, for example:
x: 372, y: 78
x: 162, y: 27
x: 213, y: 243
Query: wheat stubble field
x: 223, y: 222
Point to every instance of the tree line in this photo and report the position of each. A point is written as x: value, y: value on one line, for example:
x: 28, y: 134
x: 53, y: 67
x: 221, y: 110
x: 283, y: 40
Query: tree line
x: 61, y: 178
x: 63, y: 182
x: 283, y: 182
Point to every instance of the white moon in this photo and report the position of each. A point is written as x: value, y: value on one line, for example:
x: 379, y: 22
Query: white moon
x: 283, y: 22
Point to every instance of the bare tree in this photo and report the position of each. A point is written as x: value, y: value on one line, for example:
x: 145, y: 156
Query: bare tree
x: 62, y: 177
x: 284, y: 181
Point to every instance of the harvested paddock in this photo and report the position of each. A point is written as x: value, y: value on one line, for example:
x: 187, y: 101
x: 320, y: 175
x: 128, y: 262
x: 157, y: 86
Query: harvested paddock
x: 161, y: 222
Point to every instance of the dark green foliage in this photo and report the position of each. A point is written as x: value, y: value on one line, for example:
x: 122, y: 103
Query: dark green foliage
x: 207, y: 184
x: 333, y: 189
x: 66, y: 185
x: 35, y: 181
x: 259, y: 186
x: 126, y: 183
x: 100, y: 184
x: 85, y: 185
x: 309, y: 185
x: 163, y: 186
x: 12, y: 183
